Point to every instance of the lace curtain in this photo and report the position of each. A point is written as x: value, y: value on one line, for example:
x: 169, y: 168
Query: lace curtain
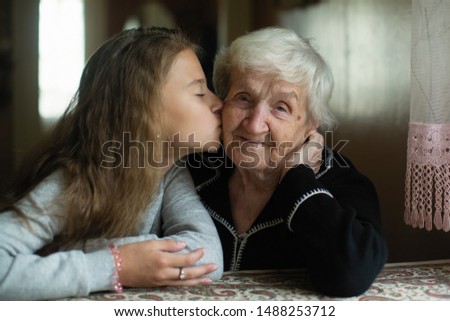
x: 427, y: 201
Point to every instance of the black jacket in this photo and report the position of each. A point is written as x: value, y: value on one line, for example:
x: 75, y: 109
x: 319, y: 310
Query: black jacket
x: 328, y: 223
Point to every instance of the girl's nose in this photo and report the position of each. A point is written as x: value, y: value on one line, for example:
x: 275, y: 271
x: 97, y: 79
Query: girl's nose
x: 216, y: 105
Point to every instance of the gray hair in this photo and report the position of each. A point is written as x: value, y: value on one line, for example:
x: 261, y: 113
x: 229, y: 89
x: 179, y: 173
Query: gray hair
x: 289, y: 57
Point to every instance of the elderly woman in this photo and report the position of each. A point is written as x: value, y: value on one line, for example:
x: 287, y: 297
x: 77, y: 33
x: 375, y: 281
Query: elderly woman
x: 279, y: 199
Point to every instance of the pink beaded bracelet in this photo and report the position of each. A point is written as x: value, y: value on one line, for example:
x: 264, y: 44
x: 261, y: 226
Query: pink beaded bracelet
x: 117, y: 267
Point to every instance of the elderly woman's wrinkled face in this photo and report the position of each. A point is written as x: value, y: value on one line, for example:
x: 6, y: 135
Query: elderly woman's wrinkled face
x: 264, y: 120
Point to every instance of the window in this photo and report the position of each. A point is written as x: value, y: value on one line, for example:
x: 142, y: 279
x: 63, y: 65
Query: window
x: 61, y: 54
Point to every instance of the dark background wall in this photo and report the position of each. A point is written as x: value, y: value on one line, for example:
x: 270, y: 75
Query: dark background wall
x: 5, y: 86
x: 367, y: 44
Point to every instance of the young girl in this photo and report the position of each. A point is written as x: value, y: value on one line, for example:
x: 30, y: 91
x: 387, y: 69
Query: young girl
x: 104, y: 202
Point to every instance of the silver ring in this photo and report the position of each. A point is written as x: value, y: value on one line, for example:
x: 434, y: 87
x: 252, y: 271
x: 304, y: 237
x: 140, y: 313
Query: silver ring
x: 181, y: 275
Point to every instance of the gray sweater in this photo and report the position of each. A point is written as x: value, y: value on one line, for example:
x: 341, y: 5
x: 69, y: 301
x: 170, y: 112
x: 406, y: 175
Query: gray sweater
x: 176, y: 213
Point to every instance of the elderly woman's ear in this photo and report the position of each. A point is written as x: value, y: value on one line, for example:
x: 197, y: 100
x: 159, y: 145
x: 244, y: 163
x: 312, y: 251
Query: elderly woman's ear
x: 313, y: 127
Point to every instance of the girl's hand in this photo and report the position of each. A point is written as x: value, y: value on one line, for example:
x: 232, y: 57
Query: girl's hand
x: 156, y: 263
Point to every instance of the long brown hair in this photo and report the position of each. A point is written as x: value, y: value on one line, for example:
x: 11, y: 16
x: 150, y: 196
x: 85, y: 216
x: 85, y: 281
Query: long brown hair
x: 118, y: 94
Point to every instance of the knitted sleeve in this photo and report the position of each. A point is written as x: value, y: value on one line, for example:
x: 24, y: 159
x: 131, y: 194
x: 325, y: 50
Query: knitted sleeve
x: 184, y: 218
x: 26, y: 276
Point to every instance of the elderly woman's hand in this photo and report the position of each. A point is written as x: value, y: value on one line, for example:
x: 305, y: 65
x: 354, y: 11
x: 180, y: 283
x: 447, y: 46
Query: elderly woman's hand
x: 309, y: 154
x: 313, y: 147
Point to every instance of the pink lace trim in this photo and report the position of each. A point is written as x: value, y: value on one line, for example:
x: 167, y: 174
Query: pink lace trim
x: 427, y: 192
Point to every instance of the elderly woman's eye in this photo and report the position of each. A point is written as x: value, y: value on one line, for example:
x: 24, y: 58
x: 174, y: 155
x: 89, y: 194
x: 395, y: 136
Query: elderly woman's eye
x: 242, y: 98
x: 281, y: 108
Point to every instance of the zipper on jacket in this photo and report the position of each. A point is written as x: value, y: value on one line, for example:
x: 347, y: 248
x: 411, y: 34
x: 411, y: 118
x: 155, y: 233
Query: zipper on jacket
x: 238, y: 250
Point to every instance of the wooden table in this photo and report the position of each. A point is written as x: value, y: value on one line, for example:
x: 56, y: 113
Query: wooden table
x: 402, y: 281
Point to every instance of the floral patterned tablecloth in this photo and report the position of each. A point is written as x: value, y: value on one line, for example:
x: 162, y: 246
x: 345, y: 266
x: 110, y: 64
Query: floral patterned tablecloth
x: 405, y: 281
